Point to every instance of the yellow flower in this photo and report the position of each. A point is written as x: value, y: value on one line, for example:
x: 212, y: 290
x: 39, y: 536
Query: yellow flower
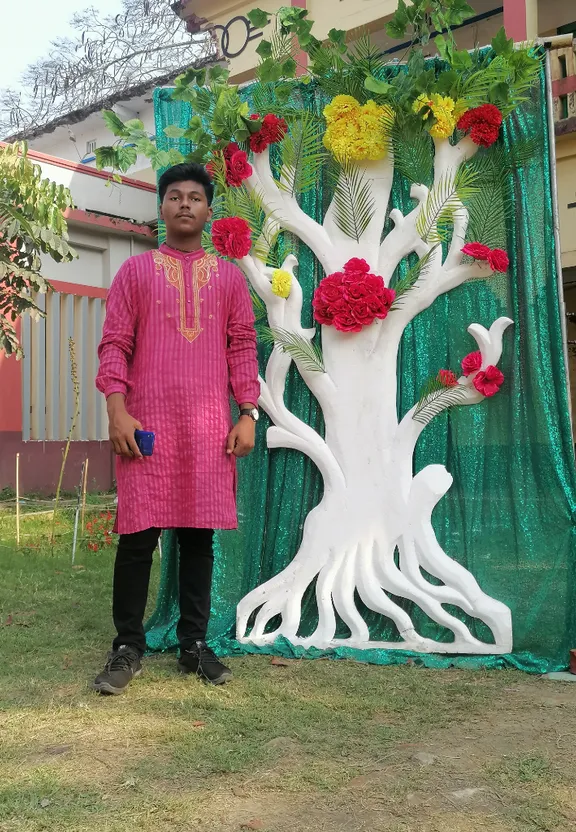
x: 442, y: 108
x: 357, y: 132
x: 281, y: 283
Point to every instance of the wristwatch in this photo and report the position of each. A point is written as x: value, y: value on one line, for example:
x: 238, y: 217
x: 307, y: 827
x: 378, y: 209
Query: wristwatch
x: 250, y: 411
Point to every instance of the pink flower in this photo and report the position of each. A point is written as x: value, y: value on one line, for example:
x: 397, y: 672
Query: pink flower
x: 498, y: 260
x: 356, y: 264
x: 471, y: 363
x: 477, y: 251
x: 488, y: 381
x: 447, y: 378
x: 232, y: 237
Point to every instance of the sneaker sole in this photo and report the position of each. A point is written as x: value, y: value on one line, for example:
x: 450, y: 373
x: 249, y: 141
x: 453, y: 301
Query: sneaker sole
x: 110, y: 690
x: 221, y: 680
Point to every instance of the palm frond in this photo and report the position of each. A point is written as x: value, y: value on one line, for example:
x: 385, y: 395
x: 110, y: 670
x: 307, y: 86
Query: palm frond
x: 413, y: 154
x: 303, y: 156
x: 434, y: 398
x: 353, y: 202
x: 475, y: 87
x: 307, y: 354
x: 488, y: 210
x: 498, y: 161
x: 444, y: 199
x: 418, y: 270
x: 259, y: 306
x: 264, y: 100
x: 367, y: 56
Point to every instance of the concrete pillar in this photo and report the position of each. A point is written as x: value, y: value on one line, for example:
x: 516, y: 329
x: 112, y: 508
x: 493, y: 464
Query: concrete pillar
x: 521, y: 19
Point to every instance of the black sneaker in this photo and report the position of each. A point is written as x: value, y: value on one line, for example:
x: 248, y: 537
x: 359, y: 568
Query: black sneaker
x: 204, y: 663
x: 121, y: 667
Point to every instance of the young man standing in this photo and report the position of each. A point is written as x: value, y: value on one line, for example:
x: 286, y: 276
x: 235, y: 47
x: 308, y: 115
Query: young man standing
x: 178, y: 337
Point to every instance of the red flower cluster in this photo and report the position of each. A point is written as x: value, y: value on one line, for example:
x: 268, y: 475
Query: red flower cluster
x: 232, y: 237
x: 100, y: 530
x: 483, y: 123
x: 273, y: 130
x: 488, y: 381
x: 496, y: 257
x: 352, y: 299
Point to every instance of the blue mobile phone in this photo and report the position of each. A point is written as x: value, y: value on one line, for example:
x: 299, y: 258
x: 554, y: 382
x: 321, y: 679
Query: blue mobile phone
x: 145, y: 441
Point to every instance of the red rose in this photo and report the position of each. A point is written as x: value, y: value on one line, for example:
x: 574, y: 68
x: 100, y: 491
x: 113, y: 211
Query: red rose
x: 488, y: 381
x: 231, y: 237
x: 498, y: 260
x: 356, y: 264
x: 471, y: 363
x: 477, y: 251
x: 345, y: 322
x: 322, y: 313
x: 447, y: 378
x: 230, y: 149
x: 362, y: 314
x: 238, y: 168
x: 258, y: 142
x: 387, y: 299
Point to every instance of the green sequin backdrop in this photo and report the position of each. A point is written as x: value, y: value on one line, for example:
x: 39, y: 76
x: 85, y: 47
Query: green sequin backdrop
x: 509, y: 515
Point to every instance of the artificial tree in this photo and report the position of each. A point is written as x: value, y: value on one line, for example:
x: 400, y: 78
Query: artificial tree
x: 437, y: 125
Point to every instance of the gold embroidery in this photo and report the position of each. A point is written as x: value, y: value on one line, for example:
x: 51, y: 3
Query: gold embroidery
x: 202, y: 270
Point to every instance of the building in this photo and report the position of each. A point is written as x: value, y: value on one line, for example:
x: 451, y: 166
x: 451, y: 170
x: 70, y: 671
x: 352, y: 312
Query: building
x: 111, y: 221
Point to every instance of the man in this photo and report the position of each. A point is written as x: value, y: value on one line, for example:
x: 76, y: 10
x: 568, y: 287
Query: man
x: 179, y: 335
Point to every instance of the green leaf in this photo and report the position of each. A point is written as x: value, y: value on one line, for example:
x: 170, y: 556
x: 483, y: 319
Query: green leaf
x: 337, y: 36
x: 413, y: 153
x: 264, y: 49
x: 353, y: 202
x: 258, y: 18
x: 106, y: 157
x: 379, y: 87
x: 444, y: 199
x: 501, y: 44
x: 218, y: 73
x: 134, y: 124
x: 307, y: 355
x: 461, y: 60
x: 173, y: 132
x: 434, y: 398
x: 417, y: 271
x: 303, y: 156
x: 126, y: 157
x: 289, y: 68
x: 444, y: 48
x: 114, y: 123
x: 397, y: 25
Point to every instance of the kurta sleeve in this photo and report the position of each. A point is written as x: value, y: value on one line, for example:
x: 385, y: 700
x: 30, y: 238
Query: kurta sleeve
x: 241, y: 351
x: 119, y: 333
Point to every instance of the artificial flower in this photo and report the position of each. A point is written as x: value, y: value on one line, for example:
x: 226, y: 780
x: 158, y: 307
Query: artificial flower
x: 498, y: 260
x: 445, y: 111
x: 447, y: 378
x: 355, y: 131
x: 471, y: 363
x: 281, y: 283
x: 237, y: 168
x: 352, y: 299
x: 476, y: 250
x: 483, y: 123
x: 273, y: 130
x: 232, y: 237
x: 488, y: 381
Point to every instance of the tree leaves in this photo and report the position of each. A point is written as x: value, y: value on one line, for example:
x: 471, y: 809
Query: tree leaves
x: 303, y: 156
x: 434, y: 398
x: 353, y: 203
x: 304, y: 352
x: 114, y: 123
x: 444, y: 199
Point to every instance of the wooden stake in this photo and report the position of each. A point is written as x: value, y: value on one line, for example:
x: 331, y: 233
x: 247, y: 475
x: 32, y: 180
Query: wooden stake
x: 84, y: 488
x: 17, y: 499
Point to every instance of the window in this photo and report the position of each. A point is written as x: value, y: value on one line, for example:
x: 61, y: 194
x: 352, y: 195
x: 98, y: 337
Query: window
x: 91, y: 147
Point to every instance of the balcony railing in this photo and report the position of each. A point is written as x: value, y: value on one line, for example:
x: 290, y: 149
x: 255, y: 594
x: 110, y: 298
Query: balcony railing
x: 563, y: 68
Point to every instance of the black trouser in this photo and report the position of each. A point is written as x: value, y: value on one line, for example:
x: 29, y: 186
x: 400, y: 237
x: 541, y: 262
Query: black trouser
x: 132, y: 577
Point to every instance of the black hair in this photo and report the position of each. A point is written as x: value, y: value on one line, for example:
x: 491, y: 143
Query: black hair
x: 187, y: 172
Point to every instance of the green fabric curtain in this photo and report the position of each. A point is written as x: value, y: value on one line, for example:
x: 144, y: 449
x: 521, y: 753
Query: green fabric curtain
x: 509, y: 516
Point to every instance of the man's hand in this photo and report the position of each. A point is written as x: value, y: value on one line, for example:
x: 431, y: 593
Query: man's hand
x: 241, y: 438
x: 121, y: 427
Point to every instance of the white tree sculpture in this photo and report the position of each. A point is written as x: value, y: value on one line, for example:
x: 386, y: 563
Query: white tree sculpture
x: 372, y: 504
x: 372, y: 531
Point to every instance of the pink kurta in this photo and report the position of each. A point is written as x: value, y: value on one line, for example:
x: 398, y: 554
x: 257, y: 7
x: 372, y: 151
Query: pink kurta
x: 178, y: 340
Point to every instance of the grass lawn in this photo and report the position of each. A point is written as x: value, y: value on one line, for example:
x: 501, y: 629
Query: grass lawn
x: 315, y: 746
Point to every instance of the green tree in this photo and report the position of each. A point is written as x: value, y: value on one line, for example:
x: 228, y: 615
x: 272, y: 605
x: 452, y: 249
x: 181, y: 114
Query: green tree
x: 31, y: 224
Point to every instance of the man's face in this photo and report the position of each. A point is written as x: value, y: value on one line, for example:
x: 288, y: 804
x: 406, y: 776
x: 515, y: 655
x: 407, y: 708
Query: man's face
x: 185, y: 209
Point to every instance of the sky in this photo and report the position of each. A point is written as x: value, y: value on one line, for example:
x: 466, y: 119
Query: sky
x: 37, y: 22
